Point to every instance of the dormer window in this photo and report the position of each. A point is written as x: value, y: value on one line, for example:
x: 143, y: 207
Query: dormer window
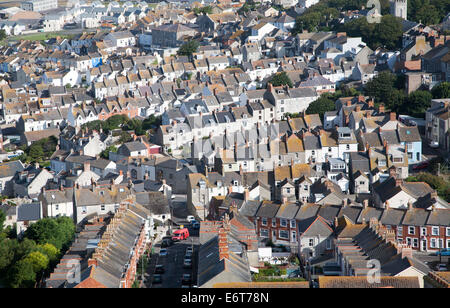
x: 382, y: 162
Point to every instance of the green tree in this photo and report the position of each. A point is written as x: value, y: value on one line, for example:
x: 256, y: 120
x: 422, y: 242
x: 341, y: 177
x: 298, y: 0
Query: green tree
x: 2, y: 219
x: 7, y: 248
x: 281, y: 79
x: 49, y: 250
x: 38, y: 260
x: 105, y: 153
x: 381, y: 86
x: 442, y: 90
x: 22, y: 275
x: 320, y: 106
x: 36, y: 151
x: 188, y: 48
x: 57, y: 231
x: 417, y: 103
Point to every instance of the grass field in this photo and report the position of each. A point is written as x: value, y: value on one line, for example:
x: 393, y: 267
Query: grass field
x: 39, y: 36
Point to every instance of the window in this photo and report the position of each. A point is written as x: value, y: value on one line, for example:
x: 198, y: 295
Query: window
x: 441, y: 243
x: 400, y: 240
x: 382, y: 162
x: 102, y: 207
x: 347, y: 147
x: 293, y: 223
x: 264, y: 221
x: 411, y: 230
x: 274, y: 222
x: 400, y: 231
x: 284, y: 234
x: 283, y: 222
x: 415, y: 242
x: 448, y: 231
x: 408, y: 241
x: 435, y: 230
x: 362, y: 182
x: 83, y: 210
x: 57, y: 207
x: 264, y: 233
x: 328, y: 243
x: 423, y: 231
x: 433, y: 243
x: 448, y: 243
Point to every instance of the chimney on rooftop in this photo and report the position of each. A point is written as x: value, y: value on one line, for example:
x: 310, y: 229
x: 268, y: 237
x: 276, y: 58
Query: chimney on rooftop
x: 87, y: 166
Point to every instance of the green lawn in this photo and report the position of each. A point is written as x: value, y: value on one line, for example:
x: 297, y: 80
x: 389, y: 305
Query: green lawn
x: 41, y: 36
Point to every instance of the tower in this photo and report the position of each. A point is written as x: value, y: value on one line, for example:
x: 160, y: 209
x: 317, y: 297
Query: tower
x: 399, y: 8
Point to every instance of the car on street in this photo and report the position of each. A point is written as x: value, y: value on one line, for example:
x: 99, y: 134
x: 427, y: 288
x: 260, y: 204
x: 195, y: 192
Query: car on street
x: 190, y: 218
x: 442, y: 267
x: 189, y: 250
x: 157, y: 278
x: 421, y: 166
x: 188, y: 255
x: 434, y: 144
x: 186, y: 279
x: 195, y: 225
x: 167, y: 242
x: 180, y: 234
x: 159, y: 269
x: 163, y: 252
x: 187, y: 263
x: 443, y: 252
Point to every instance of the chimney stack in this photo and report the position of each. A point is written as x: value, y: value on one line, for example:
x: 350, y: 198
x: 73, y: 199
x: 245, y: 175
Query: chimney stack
x: 87, y: 166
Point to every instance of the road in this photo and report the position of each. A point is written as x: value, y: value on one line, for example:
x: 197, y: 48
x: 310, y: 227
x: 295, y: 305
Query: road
x: 173, y: 262
x: 430, y: 259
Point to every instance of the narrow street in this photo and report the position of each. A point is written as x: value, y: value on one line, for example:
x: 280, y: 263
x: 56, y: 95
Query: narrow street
x: 173, y: 263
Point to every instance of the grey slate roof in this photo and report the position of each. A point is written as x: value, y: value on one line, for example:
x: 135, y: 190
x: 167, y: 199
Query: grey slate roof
x: 29, y: 211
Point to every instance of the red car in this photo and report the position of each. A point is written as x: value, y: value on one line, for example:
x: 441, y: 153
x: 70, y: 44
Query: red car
x: 422, y: 165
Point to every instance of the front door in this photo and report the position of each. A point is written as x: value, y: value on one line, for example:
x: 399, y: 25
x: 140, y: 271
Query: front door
x: 423, y: 245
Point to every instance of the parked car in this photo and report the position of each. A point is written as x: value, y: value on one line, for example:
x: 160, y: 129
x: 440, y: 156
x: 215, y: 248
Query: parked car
x: 442, y: 267
x: 166, y: 242
x: 159, y: 269
x: 434, y: 144
x: 189, y: 249
x: 195, y: 225
x: 163, y: 252
x: 443, y: 252
x: 190, y: 218
x: 157, y: 278
x: 181, y: 234
x: 187, y: 263
x: 186, y: 279
x: 422, y: 165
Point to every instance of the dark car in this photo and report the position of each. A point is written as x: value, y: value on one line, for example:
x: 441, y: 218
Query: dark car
x: 186, y: 279
x: 157, y: 278
x: 166, y: 242
x: 187, y: 263
x: 159, y: 269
